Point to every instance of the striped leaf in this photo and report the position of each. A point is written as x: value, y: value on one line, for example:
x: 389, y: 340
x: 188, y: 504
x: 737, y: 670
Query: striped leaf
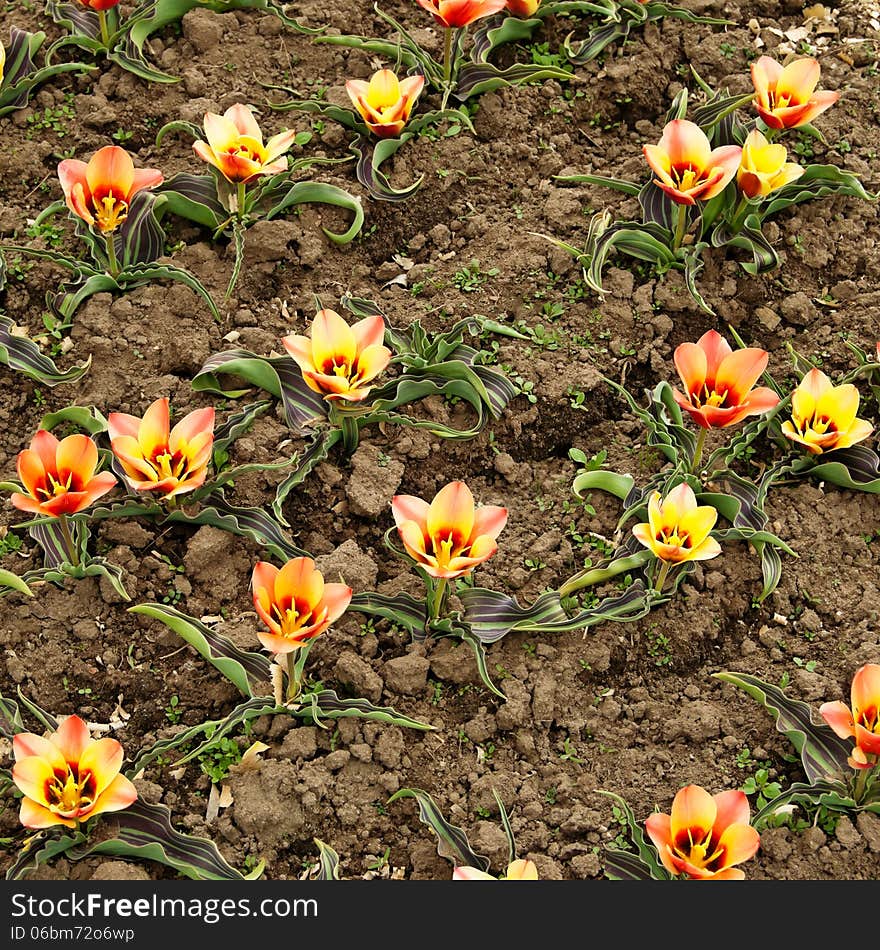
x: 141, y: 239
x: 136, y: 274
x: 476, y: 78
x: 315, y: 192
x: 643, y: 862
x: 856, y: 468
x: 325, y: 704
x: 193, y: 197
x: 242, y: 668
x: 23, y: 355
x: 817, y: 181
x: 328, y: 862
x: 823, y: 754
x: 368, y: 168
x: 452, y: 842
x: 144, y: 831
x: 832, y: 796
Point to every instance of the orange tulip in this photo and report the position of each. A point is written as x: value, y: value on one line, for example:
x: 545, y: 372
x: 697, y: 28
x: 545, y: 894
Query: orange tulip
x: 524, y: 9
x: 68, y: 777
x: 340, y: 360
x: 100, y: 192
x: 385, y: 103
x: 156, y: 457
x: 785, y: 96
x: 718, y: 381
x: 763, y: 167
x: 457, y: 13
x: 59, y: 476
x: 519, y: 870
x: 823, y: 416
x: 687, y: 168
x: 99, y: 5
x: 861, y: 720
x: 448, y: 537
x: 705, y: 835
x: 677, y: 529
x: 235, y: 146
x: 295, y: 603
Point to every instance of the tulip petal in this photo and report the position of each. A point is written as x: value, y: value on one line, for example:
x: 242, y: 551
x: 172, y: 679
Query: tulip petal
x: 45, y: 444
x: 697, y: 523
x: 858, y: 431
x: 32, y: 775
x: 462, y: 872
x: 300, y: 349
x: 102, y: 483
x: 196, y: 423
x: 732, y: 809
x: 278, y: 145
x: 244, y: 122
x: 103, y: 758
x: 797, y: 80
x: 72, y: 737
x: 765, y: 76
x: 693, y: 811
x: 865, y: 688
x: 839, y: 404
x: 221, y: 132
x: 26, y: 744
x: 299, y: 582
x: 451, y: 514
x: 368, y: 332
x: 205, y: 152
x: 413, y: 539
x: 686, y: 144
x: 121, y: 423
x: 740, y: 842
x: 34, y: 815
x: 76, y: 460
x: 119, y: 794
x: 659, y: 829
x: 335, y: 599
x: 372, y: 361
x: 739, y: 372
x: 521, y: 870
x: 153, y: 430
x: 110, y: 171
x: 489, y: 520
x: 705, y: 551
x: 333, y: 342
x: 146, y: 178
x: 31, y: 472
x: 692, y: 363
x: 410, y: 508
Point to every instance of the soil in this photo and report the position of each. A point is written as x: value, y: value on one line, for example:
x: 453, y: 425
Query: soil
x: 629, y: 708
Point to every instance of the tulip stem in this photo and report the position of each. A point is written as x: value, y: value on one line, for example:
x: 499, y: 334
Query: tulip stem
x: 439, y: 594
x: 447, y: 65
x: 112, y: 261
x: 67, y: 539
x: 105, y: 32
x: 698, y: 451
x: 293, y: 680
x: 861, y: 782
x: 739, y: 215
x: 661, y: 577
x: 242, y: 198
x: 680, y: 227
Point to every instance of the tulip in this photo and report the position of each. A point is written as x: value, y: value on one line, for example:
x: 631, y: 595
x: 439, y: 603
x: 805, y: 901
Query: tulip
x: 719, y: 382
x: 823, y: 416
x: 235, y: 146
x: 158, y: 458
x: 68, y: 777
x: 861, y: 720
x: 687, y: 168
x: 785, y: 96
x: 763, y: 167
x: 519, y: 870
x: 99, y: 5
x: 340, y: 360
x: 458, y: 13
x: 2, y: 62
x: 705, y: 835
x: 59, y: 475
x: 100, y: 192
x: 677, y: 529
x: 384, y: 102
x: 448, y: 538
x: 524, y: 9
x: 295, y: 603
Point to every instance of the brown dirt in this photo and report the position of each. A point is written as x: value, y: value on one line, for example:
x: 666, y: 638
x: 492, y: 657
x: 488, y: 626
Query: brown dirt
x: 637, y: 703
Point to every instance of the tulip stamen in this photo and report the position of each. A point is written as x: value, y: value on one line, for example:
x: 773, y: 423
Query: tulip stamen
x: 110, y: 212
x: 70, y: 793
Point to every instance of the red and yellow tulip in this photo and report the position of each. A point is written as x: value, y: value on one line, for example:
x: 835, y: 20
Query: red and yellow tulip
x: 448, y: 537
x: 340, y: 361
x: 705, y: 835
x: 677, y: 528
x: 764, y: 167
x: 861, y: 719
x: 823, y: 416
x: 719, y: 382
x: 524, y: 9
x: 295, y: 603
x: 687, y: 168
x: 785, y: 96
x: 59, y: 475
x: 99, y: 5
x: 68, y: 777
x: 101, y: 190
x: 385, y: 102
x: 519, y: 870
x: 157, y: 458
x: 235, y: 146
x: 457, y: 13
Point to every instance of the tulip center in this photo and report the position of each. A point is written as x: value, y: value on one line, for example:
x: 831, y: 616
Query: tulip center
x: 448, y: 548
x: 707, y: 398
x: 55, y: 487
x: 869, y: 719
x: 110, y: 212
x: 294, y: 618
x: 698, y: 852
x: 672, y: 537
x: 69, y: 793
x: 251, y: 151
x: 818, y: 425
x: 685, y: 177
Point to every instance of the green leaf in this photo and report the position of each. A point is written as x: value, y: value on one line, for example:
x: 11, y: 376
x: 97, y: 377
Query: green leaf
x: 452, y: 842
x: 325, y: 704
x: 645, y: 854
x: 823, y: 754
x: 89, y: 419
x: 312, y: 192
x: 13, y: 581
x: 243, y: 669
x: 328, y: 862
x: 23, y: 355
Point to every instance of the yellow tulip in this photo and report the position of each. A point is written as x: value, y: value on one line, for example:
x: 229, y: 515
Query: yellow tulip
x: 385, y: 103
x: 823, y: 416
x: 677, y: 529
x: 764, y: 167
